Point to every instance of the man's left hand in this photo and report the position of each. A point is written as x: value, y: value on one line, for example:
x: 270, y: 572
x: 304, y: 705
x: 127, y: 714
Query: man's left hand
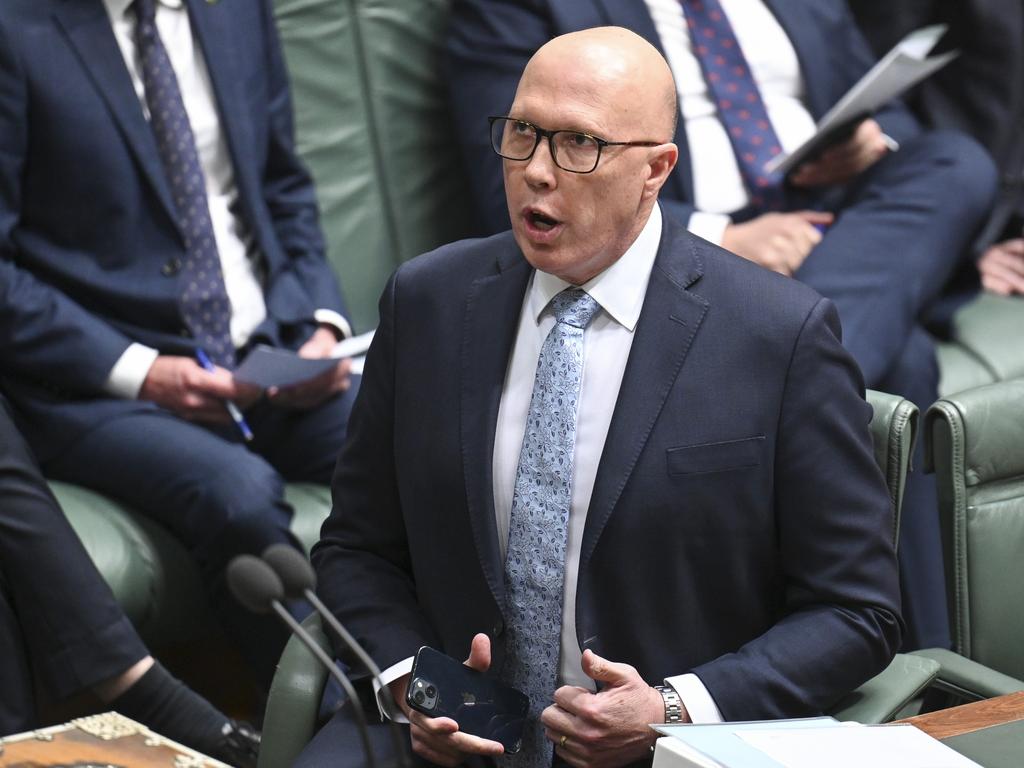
x: 846, y: 160
x: 309, y: 394
x: 608, y: 728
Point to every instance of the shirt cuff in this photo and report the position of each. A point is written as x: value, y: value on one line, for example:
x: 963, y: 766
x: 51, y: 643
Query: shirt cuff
x: 710, y: 226
x: 335, y: 320
x: 389, y: 675
x: 695, y: 697
x: 129, y: 372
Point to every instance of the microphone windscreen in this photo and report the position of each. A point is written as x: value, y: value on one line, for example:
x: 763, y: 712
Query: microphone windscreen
x: 292, y: 567
x: 254, y: 583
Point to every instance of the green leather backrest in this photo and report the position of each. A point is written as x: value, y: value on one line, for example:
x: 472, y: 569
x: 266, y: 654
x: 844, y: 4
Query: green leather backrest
x: 290, y: 719
x: 373, y: 126
x: 976, y: 447
x: 893, y: 434
x: 985, y: 345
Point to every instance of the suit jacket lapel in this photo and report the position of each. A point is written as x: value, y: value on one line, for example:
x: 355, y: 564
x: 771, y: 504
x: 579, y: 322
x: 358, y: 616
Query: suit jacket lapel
x: 211, y: 25
x: 805, y: 36
x: 494, y: 300
x: 635, y: 16
x: 670, y: 319
x: 88, y: 29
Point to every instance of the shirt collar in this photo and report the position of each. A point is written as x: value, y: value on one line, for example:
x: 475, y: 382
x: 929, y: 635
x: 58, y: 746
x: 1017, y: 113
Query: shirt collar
x: 118, y: 8
x: 619, y: 289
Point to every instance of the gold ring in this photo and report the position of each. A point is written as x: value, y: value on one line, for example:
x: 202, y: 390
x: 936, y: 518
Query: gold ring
x: 562, y: 741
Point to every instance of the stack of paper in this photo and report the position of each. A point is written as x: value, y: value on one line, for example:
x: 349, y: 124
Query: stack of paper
x: 809, y: 743
x: 901, y: 69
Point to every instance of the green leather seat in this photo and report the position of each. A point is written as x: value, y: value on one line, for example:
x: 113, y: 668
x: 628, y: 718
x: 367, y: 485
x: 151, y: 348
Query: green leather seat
x: 985, y: 345
x: 976, y: 447
x: 373, y: 125
x: 151, y: 575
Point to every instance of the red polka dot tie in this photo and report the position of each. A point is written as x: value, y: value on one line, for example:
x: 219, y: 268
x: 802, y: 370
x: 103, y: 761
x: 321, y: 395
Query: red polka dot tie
x: 739, y: 102
x: 203, y: 300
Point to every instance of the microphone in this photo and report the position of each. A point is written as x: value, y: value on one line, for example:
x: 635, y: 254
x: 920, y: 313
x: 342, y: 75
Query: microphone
x: 257, y: 587
x: 299, y: 580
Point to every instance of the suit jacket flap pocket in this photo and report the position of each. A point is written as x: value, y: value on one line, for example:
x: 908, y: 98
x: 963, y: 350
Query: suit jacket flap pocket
x: 715, y: 457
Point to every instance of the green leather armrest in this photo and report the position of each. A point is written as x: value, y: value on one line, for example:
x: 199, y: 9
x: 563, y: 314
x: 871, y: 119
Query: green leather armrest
x: 882, y: 697
x: 969, y: 679
x: 290, y: 719
x: 311, y: 503
x: 894, y: 424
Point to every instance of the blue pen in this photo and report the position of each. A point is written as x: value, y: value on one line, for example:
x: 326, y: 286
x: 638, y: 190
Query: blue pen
x: 233, y: 411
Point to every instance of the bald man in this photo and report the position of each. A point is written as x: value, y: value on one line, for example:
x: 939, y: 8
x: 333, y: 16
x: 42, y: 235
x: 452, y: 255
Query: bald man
x: 606, y: 461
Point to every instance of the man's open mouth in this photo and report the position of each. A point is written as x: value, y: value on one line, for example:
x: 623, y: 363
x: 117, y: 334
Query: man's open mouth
x: 541, y: 221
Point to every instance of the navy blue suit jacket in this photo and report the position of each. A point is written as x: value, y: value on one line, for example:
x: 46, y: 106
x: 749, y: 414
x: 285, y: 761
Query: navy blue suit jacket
x: 738, y: 527
x: 490, y: 41
x: 89, y: 246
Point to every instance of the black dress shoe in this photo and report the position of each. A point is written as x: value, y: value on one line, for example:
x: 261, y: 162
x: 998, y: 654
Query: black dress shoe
x: 239, y: 745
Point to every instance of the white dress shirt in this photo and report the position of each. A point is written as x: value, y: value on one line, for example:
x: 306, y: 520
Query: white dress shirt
x: 717, y: 184
x: 240, y: 262
x: 620, y: 290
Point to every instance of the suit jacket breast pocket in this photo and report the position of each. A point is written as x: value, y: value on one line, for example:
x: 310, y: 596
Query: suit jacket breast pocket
x: 706, y: 458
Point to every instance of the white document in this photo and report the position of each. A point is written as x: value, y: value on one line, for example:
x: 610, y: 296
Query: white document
x: 877, y: 746
x: 901, y: 69
x: 674, y: 753
x: 353, y: 345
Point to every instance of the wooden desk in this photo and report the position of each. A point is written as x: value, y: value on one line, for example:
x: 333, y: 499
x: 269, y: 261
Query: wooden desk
x: 967, y: 718
x: 989, y: 732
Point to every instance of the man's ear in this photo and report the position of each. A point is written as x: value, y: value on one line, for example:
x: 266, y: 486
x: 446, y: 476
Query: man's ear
x: 662, y: 160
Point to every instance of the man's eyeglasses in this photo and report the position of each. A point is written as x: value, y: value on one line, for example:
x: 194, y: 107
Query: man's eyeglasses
x: 572, y: 151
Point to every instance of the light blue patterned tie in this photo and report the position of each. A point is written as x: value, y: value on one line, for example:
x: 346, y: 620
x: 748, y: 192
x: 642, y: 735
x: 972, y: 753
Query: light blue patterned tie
x: 535, y: 563
x: 203, y: 300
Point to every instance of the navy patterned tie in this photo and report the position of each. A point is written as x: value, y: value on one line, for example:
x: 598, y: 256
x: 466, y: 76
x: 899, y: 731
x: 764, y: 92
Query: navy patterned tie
x: 203, y: 301
x: 535, y: 562
x: 740, y: 106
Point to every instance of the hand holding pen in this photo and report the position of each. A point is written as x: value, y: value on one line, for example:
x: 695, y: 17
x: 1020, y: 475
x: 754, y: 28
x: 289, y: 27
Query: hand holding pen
x: 233, y: 411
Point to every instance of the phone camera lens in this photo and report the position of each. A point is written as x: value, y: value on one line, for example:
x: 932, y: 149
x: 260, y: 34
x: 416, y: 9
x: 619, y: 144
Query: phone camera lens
x: 418, y: 697
x: 431, y: 691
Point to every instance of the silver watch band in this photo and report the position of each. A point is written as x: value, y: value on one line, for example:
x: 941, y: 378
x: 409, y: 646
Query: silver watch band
x: 673, y: 704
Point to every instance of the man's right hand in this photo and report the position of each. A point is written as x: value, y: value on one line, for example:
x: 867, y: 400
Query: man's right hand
x: 438, y: 739
x: 777, y: 241
x: 181, y: 385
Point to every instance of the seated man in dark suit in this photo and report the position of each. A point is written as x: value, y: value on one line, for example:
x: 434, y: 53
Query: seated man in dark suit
x: 621, y: 468
x: 981, y: 93
x: 152, y: 207
x: 59, y: 621
x: 877, y: 232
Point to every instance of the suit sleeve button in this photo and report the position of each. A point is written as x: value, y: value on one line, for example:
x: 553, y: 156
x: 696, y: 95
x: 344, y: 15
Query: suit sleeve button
x: 171, y: 268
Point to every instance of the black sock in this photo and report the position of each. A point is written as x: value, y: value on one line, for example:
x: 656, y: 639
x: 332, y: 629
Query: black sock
x: 167, y: 706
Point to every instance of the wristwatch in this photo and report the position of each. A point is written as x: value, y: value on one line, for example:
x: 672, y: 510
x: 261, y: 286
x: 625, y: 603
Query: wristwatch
x: 673, y: 704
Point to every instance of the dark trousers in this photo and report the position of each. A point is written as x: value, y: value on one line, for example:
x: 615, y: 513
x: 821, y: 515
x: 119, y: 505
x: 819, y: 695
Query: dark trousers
x: 899, y: 235
x: 57, y: 615
x: 218, y: 496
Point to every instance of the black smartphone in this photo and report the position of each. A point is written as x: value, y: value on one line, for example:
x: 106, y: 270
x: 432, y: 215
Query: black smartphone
x: 441, y: 686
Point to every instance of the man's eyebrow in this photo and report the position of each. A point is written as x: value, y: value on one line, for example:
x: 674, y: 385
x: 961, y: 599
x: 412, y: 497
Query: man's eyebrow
x: 569, y: 128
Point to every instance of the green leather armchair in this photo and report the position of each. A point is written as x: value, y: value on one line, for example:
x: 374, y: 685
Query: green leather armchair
x: 151, y: 575
x: 975, y: 444
x: 292, y: 708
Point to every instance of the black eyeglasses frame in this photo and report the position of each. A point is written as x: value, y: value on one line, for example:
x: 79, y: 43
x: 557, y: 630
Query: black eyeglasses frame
x: 544, y: 133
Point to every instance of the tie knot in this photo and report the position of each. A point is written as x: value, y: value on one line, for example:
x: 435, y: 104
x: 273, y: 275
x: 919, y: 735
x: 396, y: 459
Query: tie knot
x: 145, y: 11
x: 574, y: 307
